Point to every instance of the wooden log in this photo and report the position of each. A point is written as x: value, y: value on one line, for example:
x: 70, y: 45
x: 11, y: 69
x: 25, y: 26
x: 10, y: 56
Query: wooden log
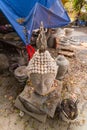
x: 67, y: 53
x: 66, y: 49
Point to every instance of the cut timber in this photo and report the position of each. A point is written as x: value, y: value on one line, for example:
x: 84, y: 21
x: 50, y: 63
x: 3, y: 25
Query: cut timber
x: 67, y: 49
x: 10, y: 45
x: 66, y: 53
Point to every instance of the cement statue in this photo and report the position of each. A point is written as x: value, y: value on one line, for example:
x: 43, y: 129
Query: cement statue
x: 42, y: 71
x: 63, y: 64
x: 42, y: 68
x: 42, y: 93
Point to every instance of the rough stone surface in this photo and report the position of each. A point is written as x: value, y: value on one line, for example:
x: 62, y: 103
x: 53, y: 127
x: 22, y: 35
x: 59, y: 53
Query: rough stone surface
x: 63, y: 64
x: 9, y: 90
x: 4, y: 64
x: 43, y: 84
x: 29, y: 109
x: 41, y: 104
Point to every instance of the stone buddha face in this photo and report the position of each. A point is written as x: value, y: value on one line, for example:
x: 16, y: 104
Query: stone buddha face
x: 42, y: 82
x: 42, y: 70
x: 42, y: 67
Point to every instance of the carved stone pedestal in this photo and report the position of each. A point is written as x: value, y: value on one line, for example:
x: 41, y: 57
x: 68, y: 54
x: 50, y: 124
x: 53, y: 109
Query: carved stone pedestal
x: 40, y: 117
x: 39, y: 106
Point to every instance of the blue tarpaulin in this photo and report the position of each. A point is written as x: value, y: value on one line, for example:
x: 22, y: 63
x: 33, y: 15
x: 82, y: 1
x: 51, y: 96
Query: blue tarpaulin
x: 51, y: 12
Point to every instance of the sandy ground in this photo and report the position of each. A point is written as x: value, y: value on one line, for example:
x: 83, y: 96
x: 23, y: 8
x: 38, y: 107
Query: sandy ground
x: 10, y: 118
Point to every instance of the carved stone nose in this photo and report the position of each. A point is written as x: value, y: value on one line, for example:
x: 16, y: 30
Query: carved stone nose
x: 42, y: 84
x: 43, y: 87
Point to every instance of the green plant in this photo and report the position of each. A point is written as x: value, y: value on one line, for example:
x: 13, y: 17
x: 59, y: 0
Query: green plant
x: 77, y: 6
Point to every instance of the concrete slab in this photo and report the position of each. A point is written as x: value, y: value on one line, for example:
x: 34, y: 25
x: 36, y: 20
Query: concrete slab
x: 45, y: 104
x: 40, y: 117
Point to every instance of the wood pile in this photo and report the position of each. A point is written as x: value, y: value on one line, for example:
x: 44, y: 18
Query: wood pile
x: 66, y: 51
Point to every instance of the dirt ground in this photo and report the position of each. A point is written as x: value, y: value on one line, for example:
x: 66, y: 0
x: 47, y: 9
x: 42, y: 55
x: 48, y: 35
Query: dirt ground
x: 12, y: 119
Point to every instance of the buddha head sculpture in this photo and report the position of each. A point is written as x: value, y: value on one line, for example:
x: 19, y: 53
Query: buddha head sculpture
x: 42, y: 70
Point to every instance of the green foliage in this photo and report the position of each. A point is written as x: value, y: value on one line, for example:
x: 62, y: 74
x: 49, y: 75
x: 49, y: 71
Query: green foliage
x: 83, y: 17
x: 78, y: 4
x: 74, y: 8
x: 85, y: 6
x: 68, y: 6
